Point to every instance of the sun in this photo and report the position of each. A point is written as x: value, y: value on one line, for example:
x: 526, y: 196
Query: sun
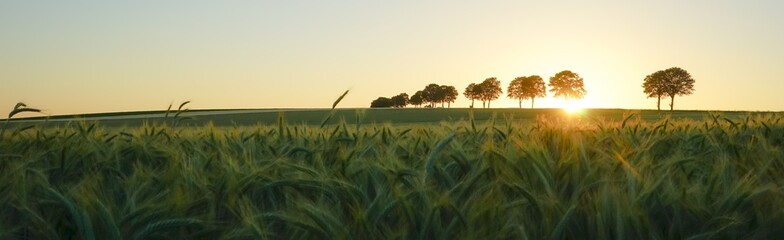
x: 573, y: 107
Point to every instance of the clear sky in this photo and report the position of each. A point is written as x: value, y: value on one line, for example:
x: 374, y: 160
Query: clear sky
x: 99, y: 56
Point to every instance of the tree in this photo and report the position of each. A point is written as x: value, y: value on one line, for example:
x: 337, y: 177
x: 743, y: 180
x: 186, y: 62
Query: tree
x: 654, y: 86
x: 491, y: 89
x: 567, y: 84
x: 381, y: 102
x: 677, y: 82
x: 400, y: 100
x: 526, y: 87
x: 473, y: 92
x: 432, y: 94
x: 450, y: 95
x: 417, y: 99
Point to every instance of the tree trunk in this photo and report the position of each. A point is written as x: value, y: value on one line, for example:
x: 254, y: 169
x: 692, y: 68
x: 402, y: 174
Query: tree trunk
x: 442, y: 104
x: 484, y: 104
x: 672, y: 102
x: 472, y: 103
x: 532, y: 103
x: 488, y: 103
x: 449, y: 105
x: 520, y: 103
x: 658, y: 104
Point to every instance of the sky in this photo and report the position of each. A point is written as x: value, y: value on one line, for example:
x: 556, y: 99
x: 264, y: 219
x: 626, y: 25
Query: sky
x: 69, y: 57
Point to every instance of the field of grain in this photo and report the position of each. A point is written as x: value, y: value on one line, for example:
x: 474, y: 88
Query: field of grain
x: 395, y: 116
x: 545, y: 177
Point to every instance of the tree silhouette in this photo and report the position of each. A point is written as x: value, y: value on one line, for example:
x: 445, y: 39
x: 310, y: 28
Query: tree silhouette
x: 381, y: 102
x: 473, y: 91
x: 567, y: 84
x: 450, y: 95
x: 400, y: 100
x: 677, y: 82
x: 526, y: 87
x: 491, y: 89
x: 417, y: 99
x: 654, y: 86
x: 432, y: 94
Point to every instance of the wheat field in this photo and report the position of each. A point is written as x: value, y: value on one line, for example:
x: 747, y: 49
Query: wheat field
x: 552, y: 178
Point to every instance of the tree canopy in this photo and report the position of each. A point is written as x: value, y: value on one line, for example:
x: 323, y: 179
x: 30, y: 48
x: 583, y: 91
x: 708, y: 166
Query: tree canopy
x: 417, y: 99
x: 491, y: 90
x: 653, y: 85
x: 381, y: 102
x: 568, y: 85
x: 434, y: 94
x: 486, y: 91
x: 670, y: 82
x: 473, y: 92
x: 677, y: 82
x: 450, y: 95
x: 526, y: 87
x: 400, y: 100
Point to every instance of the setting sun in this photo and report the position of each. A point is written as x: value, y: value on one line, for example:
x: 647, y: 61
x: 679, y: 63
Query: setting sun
x: 573, y: 108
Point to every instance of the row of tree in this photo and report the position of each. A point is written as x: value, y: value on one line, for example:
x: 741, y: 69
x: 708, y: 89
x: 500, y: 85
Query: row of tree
x: 567, y: 84
x: 430, y: 96
x: 397, y: 101
x: 486, y: 91
x: 434, y: 94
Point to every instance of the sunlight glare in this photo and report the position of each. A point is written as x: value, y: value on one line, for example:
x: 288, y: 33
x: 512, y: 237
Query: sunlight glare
x: 573, y: 107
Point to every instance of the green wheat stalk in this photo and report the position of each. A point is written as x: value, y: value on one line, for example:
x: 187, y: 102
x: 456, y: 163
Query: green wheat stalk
x: 19, y: 108
x: 332, y: 110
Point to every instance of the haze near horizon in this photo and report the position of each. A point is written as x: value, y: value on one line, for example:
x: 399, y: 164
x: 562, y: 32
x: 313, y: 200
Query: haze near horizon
x: 94, y: 56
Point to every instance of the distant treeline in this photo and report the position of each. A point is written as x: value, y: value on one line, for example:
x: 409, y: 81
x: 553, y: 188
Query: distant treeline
x: 567, y: 84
